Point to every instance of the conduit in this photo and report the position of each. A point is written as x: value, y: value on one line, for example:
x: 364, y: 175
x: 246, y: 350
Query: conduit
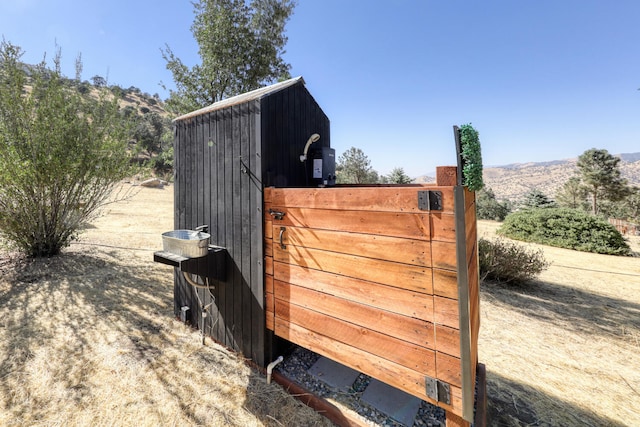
x: 270, y: 367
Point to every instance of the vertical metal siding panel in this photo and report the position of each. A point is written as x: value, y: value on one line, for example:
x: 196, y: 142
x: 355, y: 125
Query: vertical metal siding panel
x: 205, y: 217
x: 221, y: 232
x: 210, y: 215
x: 298, y: 132
x: 226, y: 292
x: 235, y: 292
x: 245, y: 293
x: 184, y: 183
x: 256, y: 237
x: 178, y: 142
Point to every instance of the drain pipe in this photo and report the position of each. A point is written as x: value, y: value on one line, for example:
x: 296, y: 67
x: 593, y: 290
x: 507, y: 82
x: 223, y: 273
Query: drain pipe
x: 270, y: 367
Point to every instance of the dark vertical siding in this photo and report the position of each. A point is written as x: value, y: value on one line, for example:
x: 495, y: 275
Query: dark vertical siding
x: 289, y: 118
x: 223, y: 160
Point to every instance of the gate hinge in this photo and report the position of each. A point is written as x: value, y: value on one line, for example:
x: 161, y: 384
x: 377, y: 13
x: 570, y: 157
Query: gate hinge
x: 429, y: 200
x: 438, y: 390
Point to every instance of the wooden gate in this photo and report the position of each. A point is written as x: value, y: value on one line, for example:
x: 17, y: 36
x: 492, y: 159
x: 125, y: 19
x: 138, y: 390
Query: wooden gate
x: 381, y: 279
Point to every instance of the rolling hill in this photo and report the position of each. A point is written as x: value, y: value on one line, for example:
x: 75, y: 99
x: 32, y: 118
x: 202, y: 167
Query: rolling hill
x: 513, y: 181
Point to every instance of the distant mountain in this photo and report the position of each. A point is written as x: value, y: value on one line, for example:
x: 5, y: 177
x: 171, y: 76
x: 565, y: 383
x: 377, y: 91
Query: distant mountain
x: 513, y: 181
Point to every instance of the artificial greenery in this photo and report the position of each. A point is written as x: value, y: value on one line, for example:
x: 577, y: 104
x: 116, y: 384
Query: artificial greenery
x: 508, y: 262
x: 471, y: 154
x: 565, y: 228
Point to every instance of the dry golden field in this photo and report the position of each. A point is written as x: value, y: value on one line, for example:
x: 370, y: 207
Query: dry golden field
x: 564, y: 350
x: 89, y: 339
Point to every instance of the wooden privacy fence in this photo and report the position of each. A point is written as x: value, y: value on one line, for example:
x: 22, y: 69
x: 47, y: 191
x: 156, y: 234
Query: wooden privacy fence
x: 381, y: 279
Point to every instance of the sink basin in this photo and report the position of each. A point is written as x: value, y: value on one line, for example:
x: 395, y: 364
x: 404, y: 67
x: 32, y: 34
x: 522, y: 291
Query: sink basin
x: 186, y: 243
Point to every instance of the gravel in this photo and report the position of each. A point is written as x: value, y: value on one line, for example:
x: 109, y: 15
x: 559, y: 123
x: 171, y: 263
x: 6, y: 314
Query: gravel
x: 296, y: 365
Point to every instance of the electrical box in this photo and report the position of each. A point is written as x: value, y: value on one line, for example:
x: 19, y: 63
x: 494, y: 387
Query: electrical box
x: 324, y: 167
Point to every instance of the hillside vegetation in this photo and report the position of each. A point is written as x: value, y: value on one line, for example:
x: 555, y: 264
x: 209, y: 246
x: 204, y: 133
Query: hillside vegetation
x: 512, y: 182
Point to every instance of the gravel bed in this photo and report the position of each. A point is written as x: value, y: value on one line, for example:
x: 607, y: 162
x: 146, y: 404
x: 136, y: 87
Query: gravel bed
x: 295, y: 368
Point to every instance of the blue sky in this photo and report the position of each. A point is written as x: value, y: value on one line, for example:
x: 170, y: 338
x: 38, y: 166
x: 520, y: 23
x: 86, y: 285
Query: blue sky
x: 540, y: 80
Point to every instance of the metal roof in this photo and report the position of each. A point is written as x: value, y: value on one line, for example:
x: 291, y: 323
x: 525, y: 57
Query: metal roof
x: 242, y: 98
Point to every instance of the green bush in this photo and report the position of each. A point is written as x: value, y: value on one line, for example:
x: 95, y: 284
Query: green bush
x: 61, y: 155
x: 509, y: 262
x: 565, y: 228
x: 487, y: 207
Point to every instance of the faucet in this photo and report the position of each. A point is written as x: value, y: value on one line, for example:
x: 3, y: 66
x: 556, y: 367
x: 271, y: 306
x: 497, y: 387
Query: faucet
x: 202, y: 228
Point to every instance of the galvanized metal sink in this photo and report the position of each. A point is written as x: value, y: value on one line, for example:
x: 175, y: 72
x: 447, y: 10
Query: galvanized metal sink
x: 186, y: 243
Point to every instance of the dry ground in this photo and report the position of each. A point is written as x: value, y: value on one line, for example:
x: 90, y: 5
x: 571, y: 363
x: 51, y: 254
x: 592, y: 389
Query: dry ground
x: 89, y: 338
x: 564, y: 350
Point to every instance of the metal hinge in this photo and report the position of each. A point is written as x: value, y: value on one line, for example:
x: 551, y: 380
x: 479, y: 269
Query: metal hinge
x: 429, y: 200
x: 438, y: 390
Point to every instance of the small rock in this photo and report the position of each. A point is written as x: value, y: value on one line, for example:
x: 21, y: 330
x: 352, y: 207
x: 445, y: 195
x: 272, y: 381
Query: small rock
x: 152, y: 183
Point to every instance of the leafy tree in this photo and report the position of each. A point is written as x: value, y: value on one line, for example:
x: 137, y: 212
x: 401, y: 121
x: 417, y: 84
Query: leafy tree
x: 537, y: 199
x: 397, y: 176
x: 572, y: 194
x: 633, y: 204
x: 601, y: 176
x: 488, y: 207
x: 61, y: 154
x: 99, y: 81
x: 240, y: 46
x: 628, y: 208
x: 354, y: 167
x: 149, y: 132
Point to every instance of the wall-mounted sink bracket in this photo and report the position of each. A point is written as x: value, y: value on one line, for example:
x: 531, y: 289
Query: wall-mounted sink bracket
x: 212, y: 265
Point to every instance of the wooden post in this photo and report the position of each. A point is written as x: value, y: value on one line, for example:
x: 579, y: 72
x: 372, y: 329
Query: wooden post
x: 446, y: 176
x: 454, y: 420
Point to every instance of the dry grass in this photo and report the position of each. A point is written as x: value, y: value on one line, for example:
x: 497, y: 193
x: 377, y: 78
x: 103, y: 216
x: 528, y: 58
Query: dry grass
x: 563, y: 351
x: 89, y: 339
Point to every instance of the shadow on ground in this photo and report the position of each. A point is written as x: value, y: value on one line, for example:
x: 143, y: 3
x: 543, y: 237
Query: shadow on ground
x: 509, y: 405
x: 584, y: 312
x: 75, y: 305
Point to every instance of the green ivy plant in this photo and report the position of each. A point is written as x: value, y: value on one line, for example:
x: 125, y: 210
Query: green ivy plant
x: 472, y: 158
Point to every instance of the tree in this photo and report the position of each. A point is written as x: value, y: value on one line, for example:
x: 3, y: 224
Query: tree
x: 537, y: 199
x: 633, y: 204
x: 240, y: 46
x: 354, y: 167
x: 99, y: 81
x: 572, y: 194
x: 397, y: 176
x: 149, y: 132
x: 488, y: 207
x: 61, y: 154
x: 602, y: 177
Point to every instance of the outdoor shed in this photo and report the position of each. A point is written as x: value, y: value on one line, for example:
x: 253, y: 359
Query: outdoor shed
x: 224, y: 155
x: 382, y: 278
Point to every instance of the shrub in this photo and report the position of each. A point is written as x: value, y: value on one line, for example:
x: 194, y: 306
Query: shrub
x: 565, y: 228
x: 487, y: 207
x: 61, y: 155
x: 508, y: 262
